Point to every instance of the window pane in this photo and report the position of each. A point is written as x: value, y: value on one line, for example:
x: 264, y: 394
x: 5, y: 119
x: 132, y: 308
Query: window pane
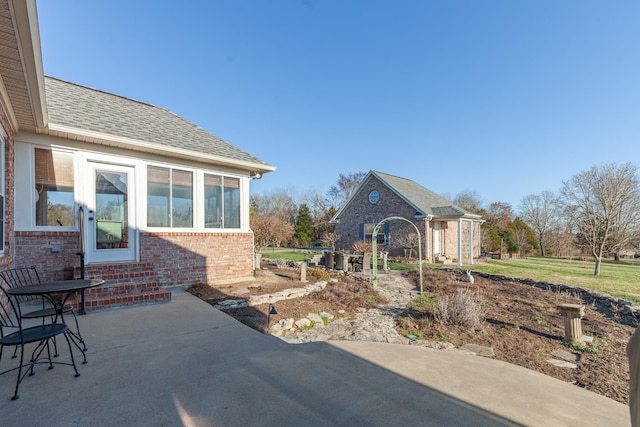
x: 231, y: 203
x: 182, y: 198
x: 212, y: 201
x: 158, y: 197
x: 54, y: 185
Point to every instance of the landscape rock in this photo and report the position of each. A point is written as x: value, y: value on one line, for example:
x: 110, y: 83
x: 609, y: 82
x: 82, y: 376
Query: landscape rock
x: 562, y: 364
x: 303, y: 323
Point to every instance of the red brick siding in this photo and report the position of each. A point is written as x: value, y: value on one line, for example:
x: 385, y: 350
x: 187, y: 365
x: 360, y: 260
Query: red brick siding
x: 176, y: 258
x: 6, y: 261
x: 190, y: 258
x: 360, y: 210
x: 35, y: 248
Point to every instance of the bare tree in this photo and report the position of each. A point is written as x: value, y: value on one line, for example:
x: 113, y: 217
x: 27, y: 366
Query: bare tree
x: 540, y: 212
x: 408, y: 241
x: 603, y: 204
x: 271, y: 231
x: 280, y: 203
x: 330, y: 238
x: 343, y: 190
x: 469, y: 200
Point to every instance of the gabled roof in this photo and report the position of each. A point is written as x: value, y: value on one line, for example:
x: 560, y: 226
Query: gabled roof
x: 79, y: 112
x: 424, y: 201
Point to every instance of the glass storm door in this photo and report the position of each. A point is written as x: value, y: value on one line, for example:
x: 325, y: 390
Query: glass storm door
x: 110, y: 217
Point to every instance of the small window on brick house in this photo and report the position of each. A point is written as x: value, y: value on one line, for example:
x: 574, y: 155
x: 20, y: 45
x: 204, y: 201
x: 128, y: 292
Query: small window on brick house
x: 55, y: 200
x: 383, y: 236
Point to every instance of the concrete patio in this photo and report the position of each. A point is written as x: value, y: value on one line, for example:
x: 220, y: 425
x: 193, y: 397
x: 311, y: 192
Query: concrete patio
x: 185, y: 363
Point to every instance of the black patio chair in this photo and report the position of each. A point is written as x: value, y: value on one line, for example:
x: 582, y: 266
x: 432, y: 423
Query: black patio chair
x: 14, y: 334
x: 22, y: 276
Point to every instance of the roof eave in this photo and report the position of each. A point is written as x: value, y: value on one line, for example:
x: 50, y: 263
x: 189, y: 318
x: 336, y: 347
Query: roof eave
x: 143, y: 146
x: 28, y: 35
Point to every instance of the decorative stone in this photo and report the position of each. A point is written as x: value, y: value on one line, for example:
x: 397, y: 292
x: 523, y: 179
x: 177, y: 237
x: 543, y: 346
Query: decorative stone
x: 562, y: 364
x: 315, y: 318
x: 478, y: 350
x: 565, y: 355
x: 303, y: 323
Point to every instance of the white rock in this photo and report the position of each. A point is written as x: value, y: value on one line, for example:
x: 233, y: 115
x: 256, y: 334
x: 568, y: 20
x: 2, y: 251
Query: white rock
x: 303, y: 323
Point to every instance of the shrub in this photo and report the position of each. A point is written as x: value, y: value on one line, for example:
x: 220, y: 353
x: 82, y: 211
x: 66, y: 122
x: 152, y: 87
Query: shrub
x: 319, y: 273
x: 465, y: 308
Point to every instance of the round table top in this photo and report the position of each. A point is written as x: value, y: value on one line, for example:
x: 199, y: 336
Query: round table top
x: 60, y: 286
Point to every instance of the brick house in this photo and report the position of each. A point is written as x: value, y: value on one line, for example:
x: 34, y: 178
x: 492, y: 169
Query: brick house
x: 150, y: 199
x: 447, y: 231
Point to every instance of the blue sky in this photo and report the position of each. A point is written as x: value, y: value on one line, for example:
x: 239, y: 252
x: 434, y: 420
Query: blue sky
x: 505, y: 98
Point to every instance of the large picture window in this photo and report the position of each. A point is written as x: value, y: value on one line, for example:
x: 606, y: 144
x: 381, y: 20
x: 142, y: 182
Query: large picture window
x: 54, y: 188
x: 169, y: 197
x: 222, y: 201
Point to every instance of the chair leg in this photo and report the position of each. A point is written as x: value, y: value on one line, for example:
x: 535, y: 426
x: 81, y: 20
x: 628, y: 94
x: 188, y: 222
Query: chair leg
x: 18, y: 380
x: 77, y: 333
x: 73, y: 361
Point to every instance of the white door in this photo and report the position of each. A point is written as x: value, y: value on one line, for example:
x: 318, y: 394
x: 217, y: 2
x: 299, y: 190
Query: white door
x: 436, y: 238
x: 110, y: 217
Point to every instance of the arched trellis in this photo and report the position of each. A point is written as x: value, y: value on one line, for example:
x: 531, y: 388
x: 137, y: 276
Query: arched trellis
x: 374, y: 248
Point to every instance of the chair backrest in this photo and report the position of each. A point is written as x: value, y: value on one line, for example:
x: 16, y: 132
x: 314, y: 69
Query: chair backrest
x: 20, y: 276
x: 8, y: 308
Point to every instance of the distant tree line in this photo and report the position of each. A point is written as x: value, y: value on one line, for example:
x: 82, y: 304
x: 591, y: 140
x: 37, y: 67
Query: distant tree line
x: 596, y: 213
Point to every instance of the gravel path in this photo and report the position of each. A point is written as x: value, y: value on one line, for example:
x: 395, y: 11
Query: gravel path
x: 376, y: 325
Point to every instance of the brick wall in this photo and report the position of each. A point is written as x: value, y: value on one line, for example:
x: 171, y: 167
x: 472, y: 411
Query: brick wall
x: 176, y: 258
x: 37, y: 248
x: 6, y: 260
x: 190, y: 258
x: 360, y: 210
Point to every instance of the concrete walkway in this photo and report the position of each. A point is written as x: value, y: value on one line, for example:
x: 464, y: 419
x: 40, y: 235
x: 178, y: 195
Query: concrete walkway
x: 185, y: 363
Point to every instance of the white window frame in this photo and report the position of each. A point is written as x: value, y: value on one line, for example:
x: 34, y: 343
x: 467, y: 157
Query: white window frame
x: 32, y: 178
x: 195, y: 194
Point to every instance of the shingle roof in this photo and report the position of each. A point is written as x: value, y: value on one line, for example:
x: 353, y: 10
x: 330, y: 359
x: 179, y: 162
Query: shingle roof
x: 80, y: 107
x: 424, y: 200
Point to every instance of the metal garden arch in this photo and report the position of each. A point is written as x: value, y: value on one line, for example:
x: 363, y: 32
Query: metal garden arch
x: 374, y: 248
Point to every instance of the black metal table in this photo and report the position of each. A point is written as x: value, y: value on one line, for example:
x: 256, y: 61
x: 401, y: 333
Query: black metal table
x: 67, y: 287
x: 48, y: 290
x: 51, y: 288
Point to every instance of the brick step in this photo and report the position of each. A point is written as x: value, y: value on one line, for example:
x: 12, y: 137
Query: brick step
x: 94, y: 303
x: 112, y: 288
x: 121, y: 273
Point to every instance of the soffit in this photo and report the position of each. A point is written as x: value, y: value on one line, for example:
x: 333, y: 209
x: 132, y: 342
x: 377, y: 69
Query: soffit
x: 14, y: 88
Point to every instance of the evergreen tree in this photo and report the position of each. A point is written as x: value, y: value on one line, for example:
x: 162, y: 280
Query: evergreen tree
x: 304, y: 227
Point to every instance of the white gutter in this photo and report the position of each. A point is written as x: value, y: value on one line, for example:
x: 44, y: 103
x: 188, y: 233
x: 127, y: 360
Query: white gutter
x: 137, y: 145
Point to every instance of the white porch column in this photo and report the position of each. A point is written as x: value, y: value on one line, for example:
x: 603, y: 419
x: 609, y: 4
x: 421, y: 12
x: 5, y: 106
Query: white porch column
x: 459, y: 241
x: 471, y: 242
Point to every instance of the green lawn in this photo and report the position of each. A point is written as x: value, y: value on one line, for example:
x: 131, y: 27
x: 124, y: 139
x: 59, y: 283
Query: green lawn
x: 619, y: 279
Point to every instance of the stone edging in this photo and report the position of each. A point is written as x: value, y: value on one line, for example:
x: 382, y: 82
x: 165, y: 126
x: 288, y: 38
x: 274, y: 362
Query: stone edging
x: 271, y: 298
